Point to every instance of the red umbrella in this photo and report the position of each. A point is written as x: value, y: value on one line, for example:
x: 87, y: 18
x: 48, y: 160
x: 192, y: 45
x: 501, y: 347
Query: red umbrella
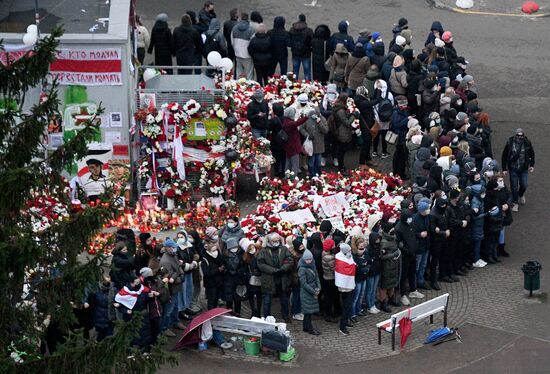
x: 192, y: 333
x: 405, y: 328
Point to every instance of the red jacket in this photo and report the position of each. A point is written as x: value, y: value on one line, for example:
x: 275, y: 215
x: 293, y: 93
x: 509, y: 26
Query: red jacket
x: 294, y: 145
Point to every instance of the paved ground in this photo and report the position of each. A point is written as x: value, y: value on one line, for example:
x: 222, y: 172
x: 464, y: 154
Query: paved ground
x: 503, y: 331
x: 493, y: 7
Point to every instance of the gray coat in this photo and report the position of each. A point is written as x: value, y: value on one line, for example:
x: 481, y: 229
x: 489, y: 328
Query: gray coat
x: 309, y: 281
x: 266, y: 266
x: 171, y: 264
x: 316, y: 132
x: 390, y: 258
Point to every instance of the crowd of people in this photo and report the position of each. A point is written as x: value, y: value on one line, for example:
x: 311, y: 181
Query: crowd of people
x: 425, y: 105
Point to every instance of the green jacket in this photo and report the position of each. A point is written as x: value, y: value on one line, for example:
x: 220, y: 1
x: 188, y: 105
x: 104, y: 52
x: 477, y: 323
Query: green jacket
x: 267, y: 267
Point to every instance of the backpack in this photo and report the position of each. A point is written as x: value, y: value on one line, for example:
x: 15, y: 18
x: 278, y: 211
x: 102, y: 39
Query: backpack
x: 298, y: 43
x: 212, y: 44
x: 385, y: 108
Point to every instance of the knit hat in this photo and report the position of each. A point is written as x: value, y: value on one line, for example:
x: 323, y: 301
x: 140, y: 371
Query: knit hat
x: 244, y: 243
x: 146, y: 272
x: 211, y: 231
x: 296, y: 243
x: 356, y: 231
x: 471, y: 95
x: 461, y: 118
x: 302, y: 98
x: 332, y: 88
x: 170, y: 243
x: 302, y: 18
x: 455, y: 170
x: 420, y: 180
x: 519, y: 131
x: 402, y: 22
x: 447, y: 37
x: 307, y: 255
x: 143, y: 237
x: 445, y: 151
x: 375, y: 36
x: 163, y: 17
x: 451, y: 180
x: 400, y: 40
x: 326, y: 226
x: 412, y: 123
x: 231, y: 243
x: 492, y: 185
x: 439, y: 43
x: 290, y: 112
x: 398, y: 61
x: 423, y: 206
x: 259, y: 94
x: 328, y: 244
x: 373, y: 220
x: 345, y: 248
x: 467, y: 78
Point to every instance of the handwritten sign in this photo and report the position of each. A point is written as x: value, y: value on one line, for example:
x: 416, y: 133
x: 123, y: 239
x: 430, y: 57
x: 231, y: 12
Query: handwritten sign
x: 337, y: 223
x: 334, y: 204
x: 297, y: 217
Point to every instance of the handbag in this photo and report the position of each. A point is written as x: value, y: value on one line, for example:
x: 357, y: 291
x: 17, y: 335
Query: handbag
x: 308, y: 146
x: 241, y: 292
x: 392, y: 137
x: 282, y: 136
x: 275, y: 340
x: 375, y: 129
x: 255, y: 280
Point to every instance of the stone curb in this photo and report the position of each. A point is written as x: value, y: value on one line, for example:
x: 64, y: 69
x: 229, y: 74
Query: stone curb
x: 440, y: 5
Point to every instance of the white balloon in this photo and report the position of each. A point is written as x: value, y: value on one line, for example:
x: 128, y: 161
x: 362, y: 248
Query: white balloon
x: 227, y: 63
x: 214, y: 58
x: 464, y: 4
x: 149, y: 74
x: 32, y: 29
x: 29, y: 39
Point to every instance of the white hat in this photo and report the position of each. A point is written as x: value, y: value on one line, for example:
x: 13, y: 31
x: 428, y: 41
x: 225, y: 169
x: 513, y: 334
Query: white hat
x: 400, y: 40
x: 356, y: 231
x: 302, y: 98
x: 412, y: 123
x: 244, y: 243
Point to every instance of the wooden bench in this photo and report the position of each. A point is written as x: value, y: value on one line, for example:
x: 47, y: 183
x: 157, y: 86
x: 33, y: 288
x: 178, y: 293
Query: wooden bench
x: 241, y: 326
x: 418, y: 312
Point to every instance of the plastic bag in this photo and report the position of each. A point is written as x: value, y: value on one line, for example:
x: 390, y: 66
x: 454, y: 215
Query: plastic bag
x: 308, y: 146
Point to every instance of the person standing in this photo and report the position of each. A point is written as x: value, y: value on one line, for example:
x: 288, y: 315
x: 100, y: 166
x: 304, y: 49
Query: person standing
x: 275, y: 263
x: 241, y: 35
x: 366, y: 106
x: 360, y: 256
x: 320, y: 48
x: 280, y: 41
x: 206, y: 15
x: 421, y: 227
x: 344, y: 279
x: 301, y: 37
x: 215, y: 41
x: 260, y: 51
x: 344, y: 130
x: 234, y: 275
x: 143, y: 39
x: 161, y: 42
x: 213, y: 268
x: 257, y: 113
x: 187, y: 44
x: 293, y: 147
x: 518, y: 160
x: 356, y: 69
x: 343, y: 37
x: 275, y: 126
x: 310, y: 287
x: 399, y: 125
x: 338, y: 64
x: 227, y: 29
x: 315, y: 129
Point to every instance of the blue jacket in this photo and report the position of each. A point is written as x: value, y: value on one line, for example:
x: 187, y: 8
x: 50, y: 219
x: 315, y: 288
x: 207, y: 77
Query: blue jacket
x: 342, y: 37
x: 399, y: 122
x: 478, y: 219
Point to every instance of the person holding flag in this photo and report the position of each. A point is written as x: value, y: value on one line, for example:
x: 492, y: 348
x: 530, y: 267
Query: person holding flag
x: 344, y: 278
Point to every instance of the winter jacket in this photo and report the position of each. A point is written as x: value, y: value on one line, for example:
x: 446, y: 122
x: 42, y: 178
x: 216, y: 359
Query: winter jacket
x: 235, y: 274
x: 438, y: 220
x: 430, y: 101
x: 241, y: 36
x: 421, y: 223
x: 315, y: 245
x: 390, y: 262
x: 187, y: 45
x: 122, y: 269
x: 316, y: 133
x: 275, y: 124
x: 478, y: 217
x: 342, y: 37
x: 511, y: 155
x: 161, y: 42
x: 205, y: 19
x: 154, y: 303
x: 343, y: 121
x: 363, y: 267
x: 356, y: 71
x: 294, y: 144
x: 373, y: 253
x: 436, y: 25
x: 499, y: 198
x: 399, y: 121
x: 301, y: 37
x: 252, y: 113
x: 320, y: 46
x: 171, y: 264
x: 412, y: 148
x: 494, y: 222
x: 370, y: 80
x: 329, y: 263
x: 211, y: 275
x: 227, y: 29
x: 226, y: 233
x: 309, y: 282
x: 214, y: 31
x: 422, y: 155
x: 338, y: 64
x: 406, y: 238
x: 378, y: 57
x: 272, y: 274
x: 280, y: 39
x: 101, y: 301
x: 398, y: 81
x: 260, y: 50
x: 476, y: 148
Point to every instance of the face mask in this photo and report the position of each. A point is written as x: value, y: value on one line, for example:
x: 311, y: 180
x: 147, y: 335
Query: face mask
x: 215, y: 237
x: 459, y: 102
x: 489, y: 173
x: 443, y: 196
x: 214, y: 254
x: 231, y: 225
x: 234, y: 250
x: 181, y: 242
x: 252, y: 251
x: 275, y: 245
x: 482, y: 196
x: 500, y: 184
x: 308, y: 261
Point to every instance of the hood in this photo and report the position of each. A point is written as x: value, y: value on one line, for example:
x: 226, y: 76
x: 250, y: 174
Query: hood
x: 477, y: 189
x: 407, y: 34
x: 340, y: 48
x: 299, y: 26
x: 359, y: 51
x: 373, y: 74
x: 423, y: 154
x: 378, y: 48
x: 214, y: 27
x: 243, y: 25
x: 440, y: 203
x: 315, y: 242
x: 279, y: 22
x: 436, y: 172
x: 278, y: 109
x: 436, y: 25
x: 343, y: 27
x: 322, y: 32
x: 383, y: 87
x: 373, y: 237
x: 306, y: 256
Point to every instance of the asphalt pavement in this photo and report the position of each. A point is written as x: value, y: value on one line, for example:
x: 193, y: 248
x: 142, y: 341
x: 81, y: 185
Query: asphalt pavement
x: 503, y: 331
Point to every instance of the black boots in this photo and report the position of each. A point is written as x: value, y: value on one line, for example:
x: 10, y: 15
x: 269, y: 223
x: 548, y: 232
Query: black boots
x: 435, y: 285
x: 384, y: 307
x: 501, y: 251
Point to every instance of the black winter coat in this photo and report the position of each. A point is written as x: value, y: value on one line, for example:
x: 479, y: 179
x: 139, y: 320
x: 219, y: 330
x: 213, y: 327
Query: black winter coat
x: 406, y: 238
x: 280, y: 41
x: 275, y: 125
x: 187, y: 45
x: 260, y: 50
x: 421, y: 223
x: 212, y: 276
x: 373, y: 254
x: 365, y: 106
x: 320, y: 47
x: 300, y: 39
x: 362, y: 269
x: 227, y: 29
x: 161, y: 42
x: 122, y: 269
x: 101, y: 300
x: 253, y: 111
x: 235, y: 273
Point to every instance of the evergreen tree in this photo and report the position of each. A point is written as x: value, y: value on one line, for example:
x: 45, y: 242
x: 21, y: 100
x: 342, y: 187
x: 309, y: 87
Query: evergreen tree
x: 41, y: 278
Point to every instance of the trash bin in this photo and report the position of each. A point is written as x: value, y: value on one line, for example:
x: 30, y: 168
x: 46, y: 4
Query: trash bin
x: 531, y: 276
